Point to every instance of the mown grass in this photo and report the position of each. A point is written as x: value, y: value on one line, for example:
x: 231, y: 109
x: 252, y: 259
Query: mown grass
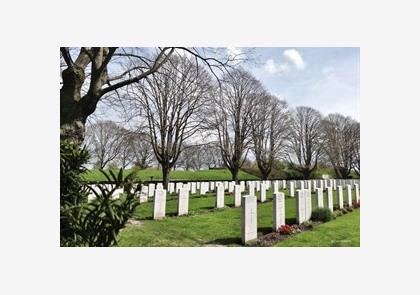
x: 204, y: 226
x: 155, y: 174
x: 342, y: 232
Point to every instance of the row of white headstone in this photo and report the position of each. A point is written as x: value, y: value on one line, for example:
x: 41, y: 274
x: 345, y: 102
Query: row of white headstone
x: 303, y: 208
x: 148, y: 191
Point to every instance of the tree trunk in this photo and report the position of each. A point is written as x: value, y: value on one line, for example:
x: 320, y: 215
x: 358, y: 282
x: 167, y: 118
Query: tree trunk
x: 235, y: 171
x: 165, y: 176
x: 306, y: 173
x: 265, y: 174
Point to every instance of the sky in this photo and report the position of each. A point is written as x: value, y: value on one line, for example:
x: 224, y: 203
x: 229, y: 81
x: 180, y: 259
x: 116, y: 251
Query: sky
x: 326, y: 79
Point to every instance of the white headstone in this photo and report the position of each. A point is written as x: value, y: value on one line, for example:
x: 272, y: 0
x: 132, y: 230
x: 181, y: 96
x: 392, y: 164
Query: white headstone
x: 330, y: 199
x: 308, y: 211
x: 320, y: 196
x: 301, y: 206
x: 178, y: 186
x: 231, y: 186
x: 183, y: 202
x: 292, y: 189
x: 340, y: 197
x: 171, y: 187
x: 202, y: 188
x: 356, y: 188
x: 279, y: 215
x: 276, y: 186
x: 159, y: 204
x: 263, y: 193
x: 242, y: 184
x: 237, y: 193
x: 249, y: 219
x: 152, y: 189
x: 251, y: 189
x: 193, y: 188
x: 220, y: 196
x: 349, y: 200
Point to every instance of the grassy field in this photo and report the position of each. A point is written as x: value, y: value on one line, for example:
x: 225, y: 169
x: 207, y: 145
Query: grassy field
x: 155, y: 174
x: 205, y: 226
x: 342, y: 232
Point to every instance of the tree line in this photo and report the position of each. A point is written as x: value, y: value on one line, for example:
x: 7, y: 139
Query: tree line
x: 195, y: 106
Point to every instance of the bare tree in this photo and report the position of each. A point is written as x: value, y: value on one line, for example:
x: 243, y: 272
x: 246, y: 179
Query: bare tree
x: 143, y: 150
x: 339, y: 140
x: 355, y: 129
x: 270, y: 128
x: 90, y: 73
x: 211, y: 156
x: 169, y: 100
x: 103, y: 140
x: 230, y: 115
x: 304, y: 146
x: 200, y: 156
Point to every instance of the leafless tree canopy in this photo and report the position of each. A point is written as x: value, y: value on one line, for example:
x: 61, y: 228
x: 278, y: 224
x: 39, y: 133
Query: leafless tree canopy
x: 269, y: 131
x: 90, y: 73
x: 304, y: 145
x: 230, y: 117
x: 355, y: 130
x: 201, y: 156
x: 339, y: 139
x: 169, y: 101
x: 104, y: 142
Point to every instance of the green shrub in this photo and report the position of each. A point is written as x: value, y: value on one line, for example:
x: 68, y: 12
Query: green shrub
x: 96, y: 223
x: 322, y: 214
x: 72, y: 190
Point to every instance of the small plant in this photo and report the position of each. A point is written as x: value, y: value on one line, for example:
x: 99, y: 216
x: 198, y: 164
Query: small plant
x: 322, y: 214
x: 356, y: 205
x: 286, y: 230
x: 296, y: 228
x: 338, y: 213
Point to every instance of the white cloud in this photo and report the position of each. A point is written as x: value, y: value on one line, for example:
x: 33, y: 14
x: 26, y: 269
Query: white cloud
x: 292, y: 59
x: 271, y: 67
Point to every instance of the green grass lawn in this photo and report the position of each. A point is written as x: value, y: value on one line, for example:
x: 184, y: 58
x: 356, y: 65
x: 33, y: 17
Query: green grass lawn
x: 148, y: 174
x: 204, y: 226
x: 342, y: 232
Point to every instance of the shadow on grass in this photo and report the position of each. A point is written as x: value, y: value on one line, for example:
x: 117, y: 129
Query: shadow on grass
x: 225, y: 241
x: 265, y: 230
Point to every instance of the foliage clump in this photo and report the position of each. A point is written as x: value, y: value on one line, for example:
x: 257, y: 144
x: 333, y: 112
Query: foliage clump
x: 95, y: 223
x: 322, y: 214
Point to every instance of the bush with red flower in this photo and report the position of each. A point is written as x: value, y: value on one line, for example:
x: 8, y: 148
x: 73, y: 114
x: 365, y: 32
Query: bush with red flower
x: 289, y: 229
